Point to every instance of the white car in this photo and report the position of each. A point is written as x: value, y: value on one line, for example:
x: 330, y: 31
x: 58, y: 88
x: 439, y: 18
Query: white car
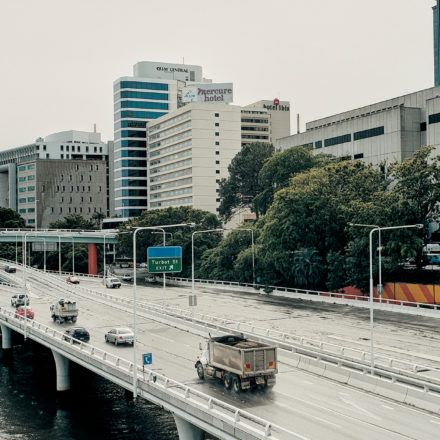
x: 112, y: 283
x: 120, y: 335
x: 127, y: 277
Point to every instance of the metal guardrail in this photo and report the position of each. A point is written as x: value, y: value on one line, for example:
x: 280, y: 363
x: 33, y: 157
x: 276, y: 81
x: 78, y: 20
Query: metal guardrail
x: 387, y: 370
x: 290, y: 342
x: 276, y: 289
x: 252, y: 425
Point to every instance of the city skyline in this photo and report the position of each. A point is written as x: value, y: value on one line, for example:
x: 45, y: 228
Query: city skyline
x: 323, y: 58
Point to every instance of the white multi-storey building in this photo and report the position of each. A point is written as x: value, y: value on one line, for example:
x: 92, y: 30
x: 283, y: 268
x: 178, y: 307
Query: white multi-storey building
x: 189, y: 152
x: 386, y: 131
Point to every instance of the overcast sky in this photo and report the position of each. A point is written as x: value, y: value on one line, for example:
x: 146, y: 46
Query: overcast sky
x: 60, y: 57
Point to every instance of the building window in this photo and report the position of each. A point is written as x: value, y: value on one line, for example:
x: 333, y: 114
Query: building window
x: 88, y: 188
x: 100, y: 188
x: 423, y: 126
x: 61, y: 147
x: 377, y: 131
x: 217, y: 200
x: 318, y: 144
x: 62, y: 156
x: 80, y: 210
x: 217, y: 115
x: 217, y: 171
x: 217, y: 162
x: 61, y: 210
x: 31, y: 188
x: 22, y: 190
x: 71, y: 188
x: 82, y: 178
x: 337, y: 140
x: 51, y: 210
x: 217, y: 180
x: 21, y: 168
x: 434, y: 119
x: 217, y: 153
x: 358, y: 156
x: 58, y: 188
x: 90, y: 177
x: 73, y: 148
x: 47, y: 155
x: 217, y: 143
x: 77, y: 188
x: 31, y: 166
x: 67, y: 148
x: 22, y: 200
x: 90, y: 199
x: 44, y: 147
x: 70, y: 199
x: 87, y: 148
x: 31, y: 177
x: 94, y: 149
x: 100, y: 149
x: 82, y: 199
x: 43, y: 188
x: 67, y: 156
x: 97, y: 167
x: 217, y: 124
x: 31, y: 209
x: 64, y: 188
x: 79, y: 150
x: 22, y: 211
x: 217, y: 133
x: 21, y: 179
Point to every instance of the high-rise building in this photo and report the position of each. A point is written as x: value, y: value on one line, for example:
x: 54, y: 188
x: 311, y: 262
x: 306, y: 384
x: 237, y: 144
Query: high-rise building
x: 152, y: 91
x: 189, y: 152
x: 436, y: 20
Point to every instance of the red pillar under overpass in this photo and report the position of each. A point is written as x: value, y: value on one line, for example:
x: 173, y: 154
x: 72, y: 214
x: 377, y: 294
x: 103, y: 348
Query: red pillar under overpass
x: 93, y: 259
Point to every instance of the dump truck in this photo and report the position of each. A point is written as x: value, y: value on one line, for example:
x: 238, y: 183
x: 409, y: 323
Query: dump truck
x: 238, y: 362
x: 64, y: 310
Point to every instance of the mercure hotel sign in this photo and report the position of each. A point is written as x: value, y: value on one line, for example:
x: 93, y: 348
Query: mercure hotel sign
x: 208, y: 93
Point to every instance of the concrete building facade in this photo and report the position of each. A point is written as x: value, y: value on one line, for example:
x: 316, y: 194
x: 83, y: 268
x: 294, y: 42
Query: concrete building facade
x: 386, y: 131
x: 29, y: 174
x: 189, y: 152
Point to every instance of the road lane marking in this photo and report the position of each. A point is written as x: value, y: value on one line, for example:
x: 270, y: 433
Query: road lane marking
x: 349, y: 402
x: 435, y: 421
x: 387, y: 407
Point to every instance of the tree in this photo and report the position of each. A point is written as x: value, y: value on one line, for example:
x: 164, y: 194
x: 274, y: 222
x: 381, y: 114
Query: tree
x: 98, y: 217
x: 239, y: 190
x: 278, y: 170
x: 313, y: 213
x: 219, y: 263
x: 74, y: 221
x: 307, y: 268
x: 11, y: 219
x: 181, y: 235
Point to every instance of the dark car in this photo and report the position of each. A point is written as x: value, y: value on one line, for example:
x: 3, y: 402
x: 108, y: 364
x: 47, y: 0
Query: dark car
x: 78, y: 333
x: 10, y: 269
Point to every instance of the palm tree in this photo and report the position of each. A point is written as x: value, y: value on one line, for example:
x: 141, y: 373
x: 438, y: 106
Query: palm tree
x: 307, y: 268
x: 98, y: 217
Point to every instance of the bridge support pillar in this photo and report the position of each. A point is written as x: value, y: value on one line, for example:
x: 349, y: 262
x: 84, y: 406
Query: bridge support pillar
x: 188, y: 431
x: 63, y: 371
x: 93, y: 259
x: 6, y: 337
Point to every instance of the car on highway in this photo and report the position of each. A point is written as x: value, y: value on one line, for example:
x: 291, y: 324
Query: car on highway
x: 151, y: 279
x: 10, y: 269
x: 72, y: 279
x: 19, y: 313
x: 143, y: 265
x: 19, y: 299
x: 112, y: 283
x: 77, y: 334
x: 120, y: 335
x: 127, y: 277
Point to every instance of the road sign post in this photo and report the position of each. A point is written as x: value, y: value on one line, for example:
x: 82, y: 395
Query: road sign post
x: 147, y: 359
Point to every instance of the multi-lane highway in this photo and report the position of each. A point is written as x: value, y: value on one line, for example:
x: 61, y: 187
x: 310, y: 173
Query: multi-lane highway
x: 314, y: 407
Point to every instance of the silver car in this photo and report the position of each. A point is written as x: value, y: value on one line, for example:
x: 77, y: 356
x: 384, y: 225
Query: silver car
x: 120, y: 335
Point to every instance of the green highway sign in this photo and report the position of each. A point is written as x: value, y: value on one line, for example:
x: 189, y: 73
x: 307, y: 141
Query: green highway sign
x: 163, y: 259
x: 160, y: 265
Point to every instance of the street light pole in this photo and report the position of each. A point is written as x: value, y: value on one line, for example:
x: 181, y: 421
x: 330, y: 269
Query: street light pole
x: 161, y: 227
x: 371, y: 284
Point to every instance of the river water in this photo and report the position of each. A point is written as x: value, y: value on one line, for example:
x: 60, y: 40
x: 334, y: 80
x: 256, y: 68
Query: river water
x: 94, y: 408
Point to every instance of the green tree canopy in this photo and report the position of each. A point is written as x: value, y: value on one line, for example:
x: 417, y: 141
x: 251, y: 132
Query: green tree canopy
x: 278, y: 170
x: 239, y: 190
x: 11, y: 219
x: 74, y: 221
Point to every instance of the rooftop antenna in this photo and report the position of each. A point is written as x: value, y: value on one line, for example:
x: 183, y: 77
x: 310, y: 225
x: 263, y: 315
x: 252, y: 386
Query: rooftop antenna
x: 297, y: 123
x: 183, y: 60
x: 94, y: 127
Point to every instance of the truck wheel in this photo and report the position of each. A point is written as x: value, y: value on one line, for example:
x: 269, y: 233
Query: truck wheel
x: 236, y: 385
x: 54, y: 318
x: 227, y: 381
x: 200, y: 371
x: 73, y: 320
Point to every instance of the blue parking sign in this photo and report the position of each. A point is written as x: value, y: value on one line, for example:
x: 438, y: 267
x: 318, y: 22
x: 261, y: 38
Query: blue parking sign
x: 148, y: 358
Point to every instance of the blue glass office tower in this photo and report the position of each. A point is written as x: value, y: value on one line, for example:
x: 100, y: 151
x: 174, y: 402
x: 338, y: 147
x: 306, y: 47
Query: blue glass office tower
x: 152, y: 92
x: 436, y: 13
